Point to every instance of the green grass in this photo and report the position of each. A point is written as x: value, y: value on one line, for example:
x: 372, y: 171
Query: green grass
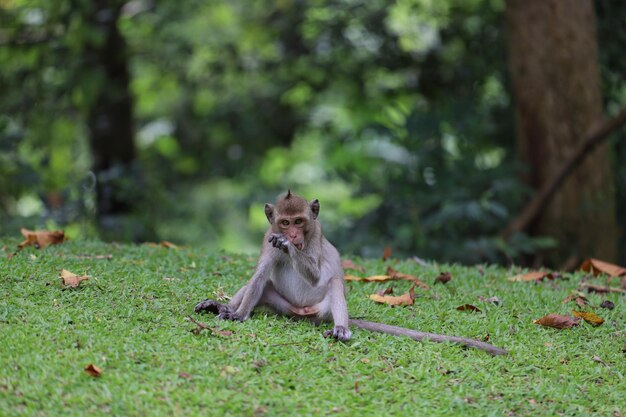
x: 131, y: 322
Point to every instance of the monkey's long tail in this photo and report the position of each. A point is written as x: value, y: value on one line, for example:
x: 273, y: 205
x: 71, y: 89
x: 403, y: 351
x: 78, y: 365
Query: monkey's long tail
x: 419, y: 336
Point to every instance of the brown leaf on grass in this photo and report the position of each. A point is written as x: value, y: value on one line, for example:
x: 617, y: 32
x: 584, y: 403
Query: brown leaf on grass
x: 224, y: 333
x: 352, y: 278
x: 377, y: 278
x: 72, y: 280
x: 162, y: 244
x: 349, y: 264
x: 469, y: 307
x: 401, y: 300
x: 597, y: 267
x: 41, y: 238
x: 601, y: 288
x: 386, y: 291
x: 400, y: 275
x: 443, y: 277
x: 557, y: 321
x: 589, y: 317
x: 387, y: 253
x: 531, y: 276
x: 184, y: 375
x: 578, y: 297
x: 93, y: 370
x: 607, y: 304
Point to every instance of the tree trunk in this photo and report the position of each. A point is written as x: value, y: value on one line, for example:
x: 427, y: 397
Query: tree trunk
x: 553, y: 59
x: 110, y: 124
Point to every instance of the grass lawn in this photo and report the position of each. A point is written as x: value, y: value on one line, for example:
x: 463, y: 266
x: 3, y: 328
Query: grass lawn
x: 130, y: 320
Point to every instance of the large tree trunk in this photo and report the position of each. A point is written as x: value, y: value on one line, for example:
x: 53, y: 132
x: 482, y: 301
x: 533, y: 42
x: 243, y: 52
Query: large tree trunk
x: 553, y: 59
x: 110, y: 123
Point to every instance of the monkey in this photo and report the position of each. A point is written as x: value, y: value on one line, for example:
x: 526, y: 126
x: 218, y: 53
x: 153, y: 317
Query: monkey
x: 299, y: 274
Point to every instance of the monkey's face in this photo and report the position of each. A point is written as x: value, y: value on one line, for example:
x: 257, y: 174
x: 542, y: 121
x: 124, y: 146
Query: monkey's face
x: 293, y: 228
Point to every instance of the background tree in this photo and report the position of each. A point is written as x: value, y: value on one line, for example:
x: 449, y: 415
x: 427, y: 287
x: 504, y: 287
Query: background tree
x: 556, y: 82
x: 396, y: 115
x: 110, y: 121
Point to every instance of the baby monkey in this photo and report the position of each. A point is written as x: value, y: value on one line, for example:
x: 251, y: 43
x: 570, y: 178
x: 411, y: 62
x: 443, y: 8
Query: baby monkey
x: 299, y: 274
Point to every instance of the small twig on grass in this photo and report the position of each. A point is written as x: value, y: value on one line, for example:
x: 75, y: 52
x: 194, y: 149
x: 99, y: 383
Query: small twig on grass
x: 201, y: 326
x: 419, y: 336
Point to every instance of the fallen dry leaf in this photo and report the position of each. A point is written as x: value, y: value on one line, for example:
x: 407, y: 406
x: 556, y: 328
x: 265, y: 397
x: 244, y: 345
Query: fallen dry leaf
x: 93, y: 370
x: 184, y: 375
x: 557, y: 321
x: 443, y: 277
x: 352, y: 278
x: 224, y: 333
x: 468, y: 307
x: 373, y: 278
x: 400, y: 275
x: 386, y: 291
x: 348, y: 264
x: 597, y: 266
x: 70, y: 279
x: 41, y: 238
x: 607, y: 304
x: 377, y: 278
x: 401, y: 300
x: 531, y: 276
x: 578, y: 297
x: 589, y: 317
x: 601, y: 288
x: 386, y: 253
x: 169, y: 245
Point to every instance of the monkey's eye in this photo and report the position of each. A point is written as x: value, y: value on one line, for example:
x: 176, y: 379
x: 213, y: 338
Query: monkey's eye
x: 298, y: 221
x: 285, y: 222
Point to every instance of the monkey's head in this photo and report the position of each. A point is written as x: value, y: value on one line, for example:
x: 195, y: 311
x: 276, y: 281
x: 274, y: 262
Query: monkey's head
x: 294, y: 217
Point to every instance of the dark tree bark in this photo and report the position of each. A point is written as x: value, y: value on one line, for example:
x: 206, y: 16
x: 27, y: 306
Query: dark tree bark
x: 110, y: 124
x: 553, y: 60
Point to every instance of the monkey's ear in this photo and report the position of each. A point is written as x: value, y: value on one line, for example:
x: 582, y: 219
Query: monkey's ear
x: 315, y: 208
x: 269, y: 213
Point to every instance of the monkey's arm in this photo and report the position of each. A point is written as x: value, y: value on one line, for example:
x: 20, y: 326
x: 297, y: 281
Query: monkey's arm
x: 304, y: 261
x: 415, y: 335
x: 338, y: 309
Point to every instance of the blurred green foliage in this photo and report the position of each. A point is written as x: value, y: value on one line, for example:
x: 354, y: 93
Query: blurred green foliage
x: 396, y: 115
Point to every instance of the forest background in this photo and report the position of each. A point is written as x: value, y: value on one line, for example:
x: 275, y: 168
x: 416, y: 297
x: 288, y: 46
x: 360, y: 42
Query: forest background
x: 424, y: 126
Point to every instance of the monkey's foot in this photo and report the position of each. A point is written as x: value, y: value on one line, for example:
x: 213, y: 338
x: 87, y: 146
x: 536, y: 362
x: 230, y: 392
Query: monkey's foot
x: 340, y: 333
x: 227, y: 314
x: 211, y: 306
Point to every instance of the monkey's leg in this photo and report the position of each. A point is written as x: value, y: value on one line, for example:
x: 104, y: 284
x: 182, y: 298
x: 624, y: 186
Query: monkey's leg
x: 251, y: 294
x: 339, y: 311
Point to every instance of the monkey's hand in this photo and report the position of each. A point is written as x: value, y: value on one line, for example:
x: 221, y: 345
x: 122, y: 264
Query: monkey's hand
x: 340, y: 333
x: 280, y: 242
